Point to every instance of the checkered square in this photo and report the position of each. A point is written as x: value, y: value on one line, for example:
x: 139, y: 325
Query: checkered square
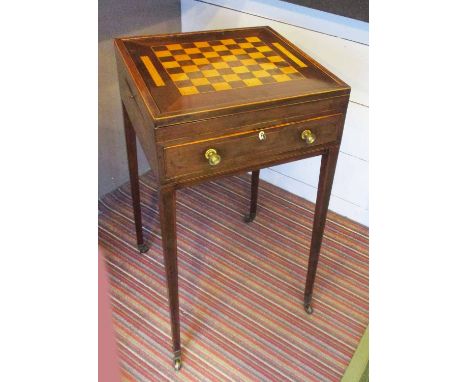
x: 208, y: 66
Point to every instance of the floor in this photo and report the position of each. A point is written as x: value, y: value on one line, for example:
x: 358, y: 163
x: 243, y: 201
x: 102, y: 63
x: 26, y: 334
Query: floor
x: 240, y: 286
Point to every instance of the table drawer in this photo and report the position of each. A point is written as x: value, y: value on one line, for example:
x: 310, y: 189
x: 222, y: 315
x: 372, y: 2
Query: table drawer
x: 249, y: 148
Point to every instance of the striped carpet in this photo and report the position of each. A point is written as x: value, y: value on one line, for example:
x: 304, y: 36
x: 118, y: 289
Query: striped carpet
x: 240, y: 286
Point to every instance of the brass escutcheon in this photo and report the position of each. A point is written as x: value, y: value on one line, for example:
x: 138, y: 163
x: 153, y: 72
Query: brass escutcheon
x: 262, y: 135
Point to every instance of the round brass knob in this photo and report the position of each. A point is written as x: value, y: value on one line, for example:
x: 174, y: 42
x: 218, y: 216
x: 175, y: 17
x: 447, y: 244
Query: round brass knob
x: 213, y: 157
x: 308, y: 136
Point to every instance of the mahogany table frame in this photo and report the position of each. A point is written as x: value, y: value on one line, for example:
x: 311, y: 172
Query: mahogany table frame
x: 167, y: 211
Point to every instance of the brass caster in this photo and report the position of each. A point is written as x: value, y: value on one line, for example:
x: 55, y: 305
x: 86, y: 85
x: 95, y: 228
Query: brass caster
x: 249, y: 218
x: 308, y: 308
x: 177, y: 364
x: 143, y: 248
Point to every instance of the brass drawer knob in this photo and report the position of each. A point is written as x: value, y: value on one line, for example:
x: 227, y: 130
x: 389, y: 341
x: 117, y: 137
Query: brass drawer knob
x: 213, y: 157
x: 308, y: 136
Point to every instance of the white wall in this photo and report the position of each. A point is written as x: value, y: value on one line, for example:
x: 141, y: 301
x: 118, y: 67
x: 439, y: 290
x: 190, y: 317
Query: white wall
x: 341, y: 45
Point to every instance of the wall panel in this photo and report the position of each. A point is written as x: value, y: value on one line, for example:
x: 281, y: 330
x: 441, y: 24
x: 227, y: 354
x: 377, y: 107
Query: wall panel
x: 338, y: 43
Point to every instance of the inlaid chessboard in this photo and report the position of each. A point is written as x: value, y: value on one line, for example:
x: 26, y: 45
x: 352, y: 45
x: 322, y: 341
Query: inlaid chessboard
x: 195, y: 74
x: 207, y: 66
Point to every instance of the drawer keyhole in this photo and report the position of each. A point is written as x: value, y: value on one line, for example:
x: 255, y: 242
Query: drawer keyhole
x: 262, y: 135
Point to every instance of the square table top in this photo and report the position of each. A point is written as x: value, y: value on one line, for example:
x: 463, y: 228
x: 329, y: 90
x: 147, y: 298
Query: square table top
x: 209, y: 73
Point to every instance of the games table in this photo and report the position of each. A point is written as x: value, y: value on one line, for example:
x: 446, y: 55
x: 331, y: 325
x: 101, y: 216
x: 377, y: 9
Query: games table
x: 216, y: 103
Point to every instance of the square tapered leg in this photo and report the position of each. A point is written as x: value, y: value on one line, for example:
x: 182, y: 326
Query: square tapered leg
x: 327, y: 171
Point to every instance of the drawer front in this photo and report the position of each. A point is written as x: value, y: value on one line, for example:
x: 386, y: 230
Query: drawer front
x: 251, y: 120
x: 249, y: 148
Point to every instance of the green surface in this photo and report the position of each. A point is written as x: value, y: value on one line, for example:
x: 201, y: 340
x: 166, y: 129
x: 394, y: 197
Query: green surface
x: 365, y: 376
x: 358, y: 368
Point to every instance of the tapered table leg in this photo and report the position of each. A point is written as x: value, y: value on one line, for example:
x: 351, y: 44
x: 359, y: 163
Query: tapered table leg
x: 327, y: 171
x: 167, y: 215
x: 130, y: 139
x: 253, y: 197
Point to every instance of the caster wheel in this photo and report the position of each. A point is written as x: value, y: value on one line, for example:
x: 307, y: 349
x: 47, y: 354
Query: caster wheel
x: 249, y: 218
x: 177, y: 364
x: 143, y: 248
x: 308, y: 309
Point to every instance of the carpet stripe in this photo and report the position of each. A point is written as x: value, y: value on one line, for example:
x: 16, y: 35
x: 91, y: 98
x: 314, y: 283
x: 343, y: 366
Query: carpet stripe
x: 273, y: 236
x: 277, y: 211
x: 128, y: 324
x: 218, y: 235
x: 181, y: 252
x: 181, y: 309
x: 240, y: 286
x: 215, y: 214
x: 348, y: 228
x: 226, y: 316
x: 265, y: 246
x: 247, y: 363
x: 257, y: 269
x: 167, y: 318
x: 287, y: 262
x: 143, y: 296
